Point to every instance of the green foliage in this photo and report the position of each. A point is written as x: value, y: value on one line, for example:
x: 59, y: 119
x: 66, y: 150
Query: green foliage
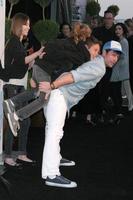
x: 13, y: 1
x: 7, y: 29
x: 114, y: 9
x: 93, y: 8
x: 43, y: 3
x: 45, y: 30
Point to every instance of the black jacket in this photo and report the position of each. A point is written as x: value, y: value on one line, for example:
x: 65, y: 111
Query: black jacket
x: 63, y: 54
x: 14, y: 60
x: 103, y: 34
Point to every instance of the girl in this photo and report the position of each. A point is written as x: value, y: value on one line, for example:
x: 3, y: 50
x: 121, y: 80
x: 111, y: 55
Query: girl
x: 16, y: 66
x: 120, y: 73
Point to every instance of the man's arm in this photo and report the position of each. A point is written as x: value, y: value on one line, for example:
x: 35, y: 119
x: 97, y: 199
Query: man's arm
x: 64, y: 79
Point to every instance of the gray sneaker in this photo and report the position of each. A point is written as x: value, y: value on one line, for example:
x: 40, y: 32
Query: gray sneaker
x: 60, y: 181
x: 66, y: 162
x: 13, y: 123
x: 8, y: 106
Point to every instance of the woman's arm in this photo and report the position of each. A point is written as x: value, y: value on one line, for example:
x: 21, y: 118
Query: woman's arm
x: 33, y: 56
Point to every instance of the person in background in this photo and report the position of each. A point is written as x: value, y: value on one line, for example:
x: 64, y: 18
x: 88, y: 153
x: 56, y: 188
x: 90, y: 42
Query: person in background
x: 94, y: 22
x: 120, y: 73
x: 65, y: 30
x: 129, y: 24
x: 104, y: 34
x: 15, y: 76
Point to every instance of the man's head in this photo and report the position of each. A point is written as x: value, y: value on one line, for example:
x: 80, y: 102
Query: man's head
x: 111, y: 52
x: 108, y: 19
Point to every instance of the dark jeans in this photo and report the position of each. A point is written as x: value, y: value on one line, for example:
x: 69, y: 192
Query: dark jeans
x: 34, y: 103
x: 10, y: 91
x: 29, y: 109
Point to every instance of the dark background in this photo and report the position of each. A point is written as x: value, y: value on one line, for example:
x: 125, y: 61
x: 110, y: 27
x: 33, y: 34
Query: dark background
x: 32, y: 9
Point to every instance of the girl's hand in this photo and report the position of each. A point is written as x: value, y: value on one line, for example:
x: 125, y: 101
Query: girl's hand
x: 33, y: 83
x: 31, y: 64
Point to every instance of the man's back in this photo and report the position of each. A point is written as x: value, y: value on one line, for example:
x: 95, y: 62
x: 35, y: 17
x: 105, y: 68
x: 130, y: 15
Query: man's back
x: 85, y: 78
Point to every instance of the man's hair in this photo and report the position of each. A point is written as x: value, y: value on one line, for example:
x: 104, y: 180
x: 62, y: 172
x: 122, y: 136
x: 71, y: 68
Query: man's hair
x: 108, y: 11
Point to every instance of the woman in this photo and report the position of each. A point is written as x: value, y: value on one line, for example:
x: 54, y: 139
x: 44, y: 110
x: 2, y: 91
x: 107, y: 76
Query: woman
x: 65, y: 30
x: 16, y: 66
x: 120, y: 73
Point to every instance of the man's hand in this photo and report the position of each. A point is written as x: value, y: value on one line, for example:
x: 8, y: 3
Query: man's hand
x: 44, y: 86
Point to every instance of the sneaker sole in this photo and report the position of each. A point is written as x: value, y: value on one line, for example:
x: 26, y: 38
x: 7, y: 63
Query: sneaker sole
x: 6, y: 107
x: 72, y: 185
x: 10, y: 124
x: 67, y: 164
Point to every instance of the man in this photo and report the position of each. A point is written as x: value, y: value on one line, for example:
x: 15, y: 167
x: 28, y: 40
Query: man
x: 66, y: 92
x: 105, y: 33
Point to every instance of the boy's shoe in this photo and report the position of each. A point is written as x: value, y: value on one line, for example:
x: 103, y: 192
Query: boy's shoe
x: 60, y: 181
x: 66, y: 162
x: 13, y: 123
x: 8, y: 106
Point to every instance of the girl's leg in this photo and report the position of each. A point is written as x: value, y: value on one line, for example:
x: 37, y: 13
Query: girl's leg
x: 31, y: 108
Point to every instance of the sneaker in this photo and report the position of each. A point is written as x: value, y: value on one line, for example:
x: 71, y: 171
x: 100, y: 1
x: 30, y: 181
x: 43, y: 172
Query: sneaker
x: 60, y: 181
x: 8, y: 106
x: 66, y: 162
x: 13, y: 123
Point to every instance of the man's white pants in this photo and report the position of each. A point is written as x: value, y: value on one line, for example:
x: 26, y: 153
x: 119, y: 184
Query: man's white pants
x: 55, y: 113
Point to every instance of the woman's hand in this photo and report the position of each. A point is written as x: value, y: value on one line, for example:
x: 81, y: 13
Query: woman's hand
x: 40, y: 51
x: 33, y: 83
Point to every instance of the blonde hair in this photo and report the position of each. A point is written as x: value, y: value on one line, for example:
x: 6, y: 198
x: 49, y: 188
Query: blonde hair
x: 80, y: 32
x: 18, y: 20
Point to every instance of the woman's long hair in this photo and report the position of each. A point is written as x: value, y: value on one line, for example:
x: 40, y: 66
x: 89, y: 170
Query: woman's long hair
x: 80, y: 32
x: 18, y: 20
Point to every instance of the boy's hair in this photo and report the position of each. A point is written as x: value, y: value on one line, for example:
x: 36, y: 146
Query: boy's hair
x: 18, y: 20
x: 92, y: 40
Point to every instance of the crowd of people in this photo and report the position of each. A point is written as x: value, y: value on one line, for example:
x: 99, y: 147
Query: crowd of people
x: 80, y: 71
